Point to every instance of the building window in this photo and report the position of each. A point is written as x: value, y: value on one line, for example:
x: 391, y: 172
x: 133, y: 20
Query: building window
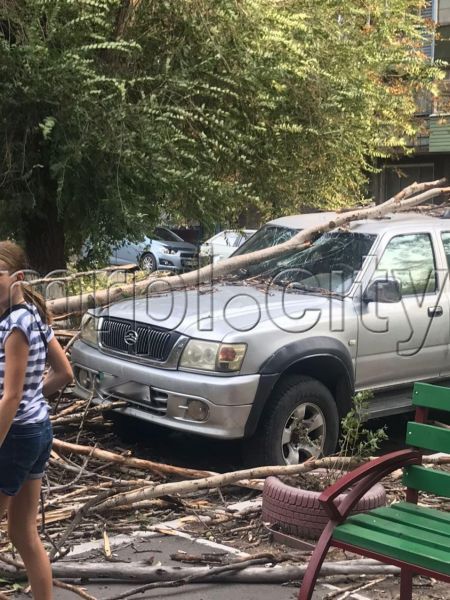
x: 443, y: 11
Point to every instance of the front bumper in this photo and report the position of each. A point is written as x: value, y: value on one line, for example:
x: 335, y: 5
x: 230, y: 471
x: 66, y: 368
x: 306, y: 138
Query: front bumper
x: 176, y: 262
x: 162, y: 396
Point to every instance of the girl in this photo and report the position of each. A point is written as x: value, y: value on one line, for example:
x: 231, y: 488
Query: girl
x: 26, y: 340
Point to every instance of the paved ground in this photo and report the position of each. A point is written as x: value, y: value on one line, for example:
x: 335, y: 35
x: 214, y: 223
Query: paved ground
x: 158, y: 548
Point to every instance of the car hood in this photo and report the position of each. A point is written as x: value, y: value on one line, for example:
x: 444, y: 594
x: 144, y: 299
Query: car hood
x: 227, y: 311
x: 181, y: 246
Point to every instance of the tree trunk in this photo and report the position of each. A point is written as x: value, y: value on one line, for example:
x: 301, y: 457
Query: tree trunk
x: 141, y: 571
x: 44, y: 236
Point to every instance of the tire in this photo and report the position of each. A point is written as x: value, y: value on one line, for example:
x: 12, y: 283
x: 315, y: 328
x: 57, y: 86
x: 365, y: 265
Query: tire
x: 299, y: 513
x: 297, y: 401
x: 147, y: 262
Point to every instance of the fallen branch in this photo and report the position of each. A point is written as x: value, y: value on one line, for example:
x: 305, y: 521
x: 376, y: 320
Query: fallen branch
x: 409, y: 197
x: 271, y: 574
x: 128, y: 461
x: 213, y: 571
x: 220, y: 480
x: 79, y: 591
x: 143, y: 572
x: 66, y: 278
x: 57, y: 548
x: 354, y: 589
x: 214, y: 481
x: 60, y: 584
x: 92, y: 410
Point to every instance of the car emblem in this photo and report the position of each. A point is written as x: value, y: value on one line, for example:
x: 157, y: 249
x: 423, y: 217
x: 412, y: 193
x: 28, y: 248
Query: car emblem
x: 131, y: 337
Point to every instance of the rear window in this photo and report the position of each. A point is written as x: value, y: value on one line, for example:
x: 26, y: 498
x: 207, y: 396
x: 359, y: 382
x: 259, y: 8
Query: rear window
x: 266, y: 237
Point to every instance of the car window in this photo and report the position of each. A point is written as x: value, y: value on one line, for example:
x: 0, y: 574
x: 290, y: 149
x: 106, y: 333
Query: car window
x: 161, y: 234
x: 445, y: 236
x: 410, y: 260
x: 231, y: 237
x: 219, y: 238
x: 266, y: 237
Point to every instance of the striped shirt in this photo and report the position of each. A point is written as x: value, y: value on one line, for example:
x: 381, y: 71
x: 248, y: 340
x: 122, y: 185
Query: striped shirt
x: 33, y: 407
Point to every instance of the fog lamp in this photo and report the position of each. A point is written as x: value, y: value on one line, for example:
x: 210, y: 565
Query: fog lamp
x: 85, y: 379
x: 196, y: 410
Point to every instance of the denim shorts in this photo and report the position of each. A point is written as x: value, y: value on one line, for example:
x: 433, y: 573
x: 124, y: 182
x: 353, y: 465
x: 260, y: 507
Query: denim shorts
x: 24, y: 455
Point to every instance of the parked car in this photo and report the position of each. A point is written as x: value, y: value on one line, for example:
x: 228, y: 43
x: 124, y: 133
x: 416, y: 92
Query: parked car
x: 223, y: 244
x: 163, y: 249
x: 276, y: 360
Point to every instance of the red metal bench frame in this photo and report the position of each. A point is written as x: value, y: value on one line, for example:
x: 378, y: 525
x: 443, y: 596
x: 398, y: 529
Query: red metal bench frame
x: 360, y: 481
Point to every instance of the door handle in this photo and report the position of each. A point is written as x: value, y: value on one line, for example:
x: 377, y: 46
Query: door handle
x: 435, y: 311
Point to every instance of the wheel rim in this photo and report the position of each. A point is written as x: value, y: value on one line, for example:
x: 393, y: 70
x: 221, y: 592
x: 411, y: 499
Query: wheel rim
x: 304, y: 434
x: 148, y: 263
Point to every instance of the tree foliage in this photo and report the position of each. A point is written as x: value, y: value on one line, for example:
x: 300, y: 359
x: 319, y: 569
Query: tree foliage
x: 113, y: 113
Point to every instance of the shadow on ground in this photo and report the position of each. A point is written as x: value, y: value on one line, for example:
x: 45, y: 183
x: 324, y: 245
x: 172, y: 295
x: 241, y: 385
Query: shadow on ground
x: 164, y: 445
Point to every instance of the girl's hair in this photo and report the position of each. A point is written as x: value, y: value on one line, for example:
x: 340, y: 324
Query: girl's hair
x: 14, y: 257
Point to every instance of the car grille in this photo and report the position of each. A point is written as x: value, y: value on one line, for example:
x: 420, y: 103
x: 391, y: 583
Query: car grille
x: 188, y: 255
x: 137, y: 339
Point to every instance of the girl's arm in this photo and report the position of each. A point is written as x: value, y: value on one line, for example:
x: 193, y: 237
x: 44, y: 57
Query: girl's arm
x: 16, y: 360
x: 60, y: 372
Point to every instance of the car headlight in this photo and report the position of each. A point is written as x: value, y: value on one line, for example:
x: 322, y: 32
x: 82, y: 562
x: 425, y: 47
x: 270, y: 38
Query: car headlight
x: 89, y: 329
x: 213, y: 356
x: 165, y: 250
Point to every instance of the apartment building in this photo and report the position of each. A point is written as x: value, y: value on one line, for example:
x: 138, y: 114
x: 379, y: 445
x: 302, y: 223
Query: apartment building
x: 431, y: 157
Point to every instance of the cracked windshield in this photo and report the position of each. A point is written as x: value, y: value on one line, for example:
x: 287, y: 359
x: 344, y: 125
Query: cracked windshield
x: 329, y: 265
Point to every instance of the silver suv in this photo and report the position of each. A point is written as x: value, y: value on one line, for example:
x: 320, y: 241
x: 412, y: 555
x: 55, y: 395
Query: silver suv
x: 274, y: 354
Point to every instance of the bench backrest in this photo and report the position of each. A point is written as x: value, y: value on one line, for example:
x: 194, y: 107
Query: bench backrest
x: 424, y: 435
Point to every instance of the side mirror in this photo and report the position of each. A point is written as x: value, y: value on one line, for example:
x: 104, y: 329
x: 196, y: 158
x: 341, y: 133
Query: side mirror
x: 383, y: 290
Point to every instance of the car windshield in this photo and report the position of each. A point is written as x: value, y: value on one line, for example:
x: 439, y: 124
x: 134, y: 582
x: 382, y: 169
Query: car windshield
x: 266, y: 237
x: 161, y: 234
x: 330, y: 264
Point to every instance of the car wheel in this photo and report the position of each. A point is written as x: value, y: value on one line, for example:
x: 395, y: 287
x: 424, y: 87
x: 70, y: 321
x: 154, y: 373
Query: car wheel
x: 301, y: 421
x: 148, y: 262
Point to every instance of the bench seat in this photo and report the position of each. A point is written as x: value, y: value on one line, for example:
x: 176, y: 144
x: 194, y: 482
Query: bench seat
x: 416, y: 535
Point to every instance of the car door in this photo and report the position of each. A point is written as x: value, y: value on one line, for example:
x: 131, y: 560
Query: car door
x: 127, y: 253
x: 405, y: 341
x: 223, y: 245
x: 218, y: 244
x: 445, y: 239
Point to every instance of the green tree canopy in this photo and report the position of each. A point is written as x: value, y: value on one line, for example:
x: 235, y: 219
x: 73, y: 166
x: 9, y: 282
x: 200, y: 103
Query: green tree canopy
x: 115, y: 112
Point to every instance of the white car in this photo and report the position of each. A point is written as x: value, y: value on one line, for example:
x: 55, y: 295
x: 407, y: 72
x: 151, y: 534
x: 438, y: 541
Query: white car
x: 282, y: 229
x: 223, y: 244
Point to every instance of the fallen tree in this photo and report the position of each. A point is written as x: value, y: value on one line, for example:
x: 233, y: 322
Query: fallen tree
x: 239, y: 571
x: 411, y: 196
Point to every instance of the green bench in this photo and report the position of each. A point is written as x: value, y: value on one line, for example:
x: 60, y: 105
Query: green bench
x: 415, y: 538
